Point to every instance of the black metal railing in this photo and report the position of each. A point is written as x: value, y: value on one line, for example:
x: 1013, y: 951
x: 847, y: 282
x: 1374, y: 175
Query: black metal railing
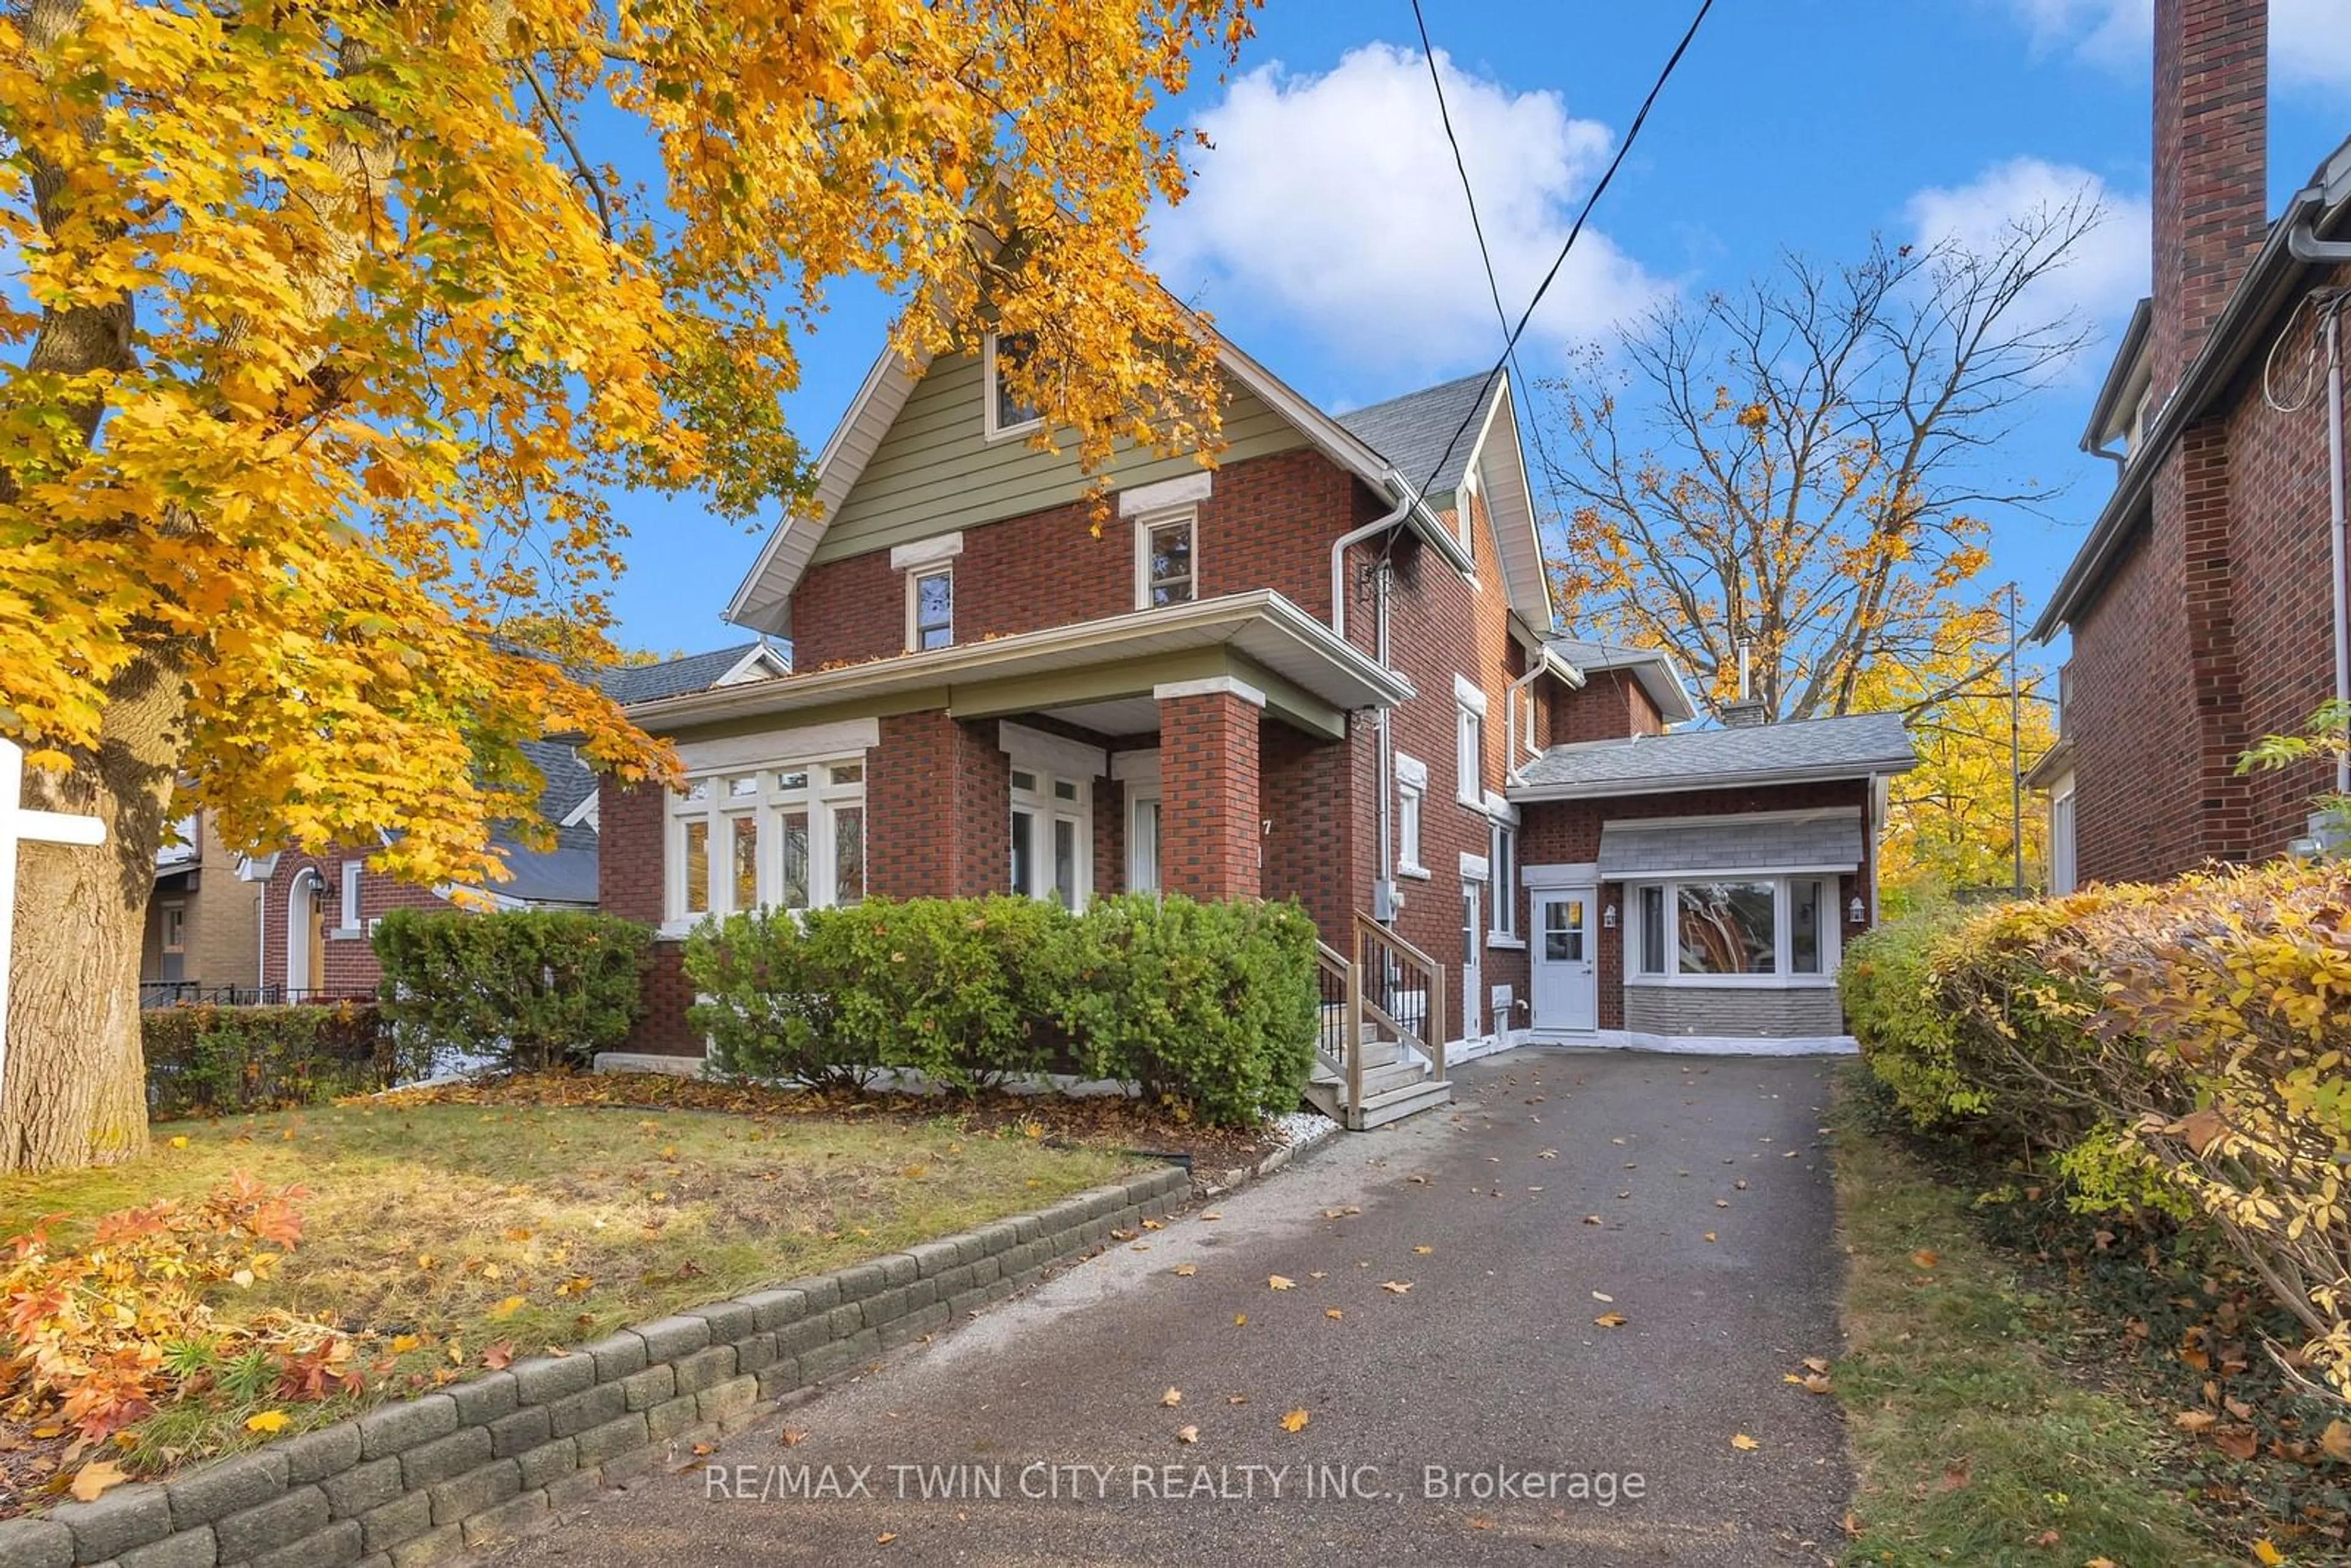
x: 195, y: 993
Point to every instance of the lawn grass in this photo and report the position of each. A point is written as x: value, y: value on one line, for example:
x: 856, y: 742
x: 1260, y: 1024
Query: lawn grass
x: 1973, y: 1445
x: 478, y: 1231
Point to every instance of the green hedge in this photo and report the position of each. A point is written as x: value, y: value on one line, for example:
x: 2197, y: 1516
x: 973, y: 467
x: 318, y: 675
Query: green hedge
x: 1209, y: 1010
x: 211, y: 1061
x: 525, y: 990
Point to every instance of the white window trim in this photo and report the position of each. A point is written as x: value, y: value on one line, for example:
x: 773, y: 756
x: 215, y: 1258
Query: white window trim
x: 820, y: 798
x: 914, y: 579
x: 1832, y: 922
x: 1502, y: 904
x: 988, y: 397
x: 347, y: 923
x: 1469, y: 756
x: 1145, y: 523
x: 1465, y: 514
x: 1165, y: 494
x: 1412, y: 786
x: 1046, y: 810
x: 931, y: 551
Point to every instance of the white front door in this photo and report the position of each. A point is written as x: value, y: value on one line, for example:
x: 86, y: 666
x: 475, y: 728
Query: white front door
x: 1566, y: 977
x: 1473, y: 943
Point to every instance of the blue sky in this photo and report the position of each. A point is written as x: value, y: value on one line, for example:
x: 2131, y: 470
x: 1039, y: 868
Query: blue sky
x: 1328, y: 236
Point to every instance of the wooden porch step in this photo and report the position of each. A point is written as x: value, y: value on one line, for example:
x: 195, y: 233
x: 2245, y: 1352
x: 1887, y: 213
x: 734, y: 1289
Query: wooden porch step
x: 1426, y: 1094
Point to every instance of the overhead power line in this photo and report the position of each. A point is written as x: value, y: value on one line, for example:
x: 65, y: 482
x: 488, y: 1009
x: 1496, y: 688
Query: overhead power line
x: 1632, y: 133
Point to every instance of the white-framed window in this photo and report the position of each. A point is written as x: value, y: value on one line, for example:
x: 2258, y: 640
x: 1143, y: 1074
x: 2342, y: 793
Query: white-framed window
x: 1779, y: 930
x: 349, y: 922
x: 777, y: 835
x: 1004, y: 413
x: 1052, y: 836
x: 1142, y: 843
x: 930, y: 608
x: 1412, y: 790
x: 1469, y: 742
x: 1502, y: 856
x: 2060, y: 840
x: 1166, y: 558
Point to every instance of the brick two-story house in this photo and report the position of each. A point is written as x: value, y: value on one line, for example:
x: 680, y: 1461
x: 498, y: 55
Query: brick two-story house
x: 2205, y: 606
x: 1323, y: 669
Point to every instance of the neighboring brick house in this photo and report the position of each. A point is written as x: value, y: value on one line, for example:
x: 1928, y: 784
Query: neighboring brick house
x: 316, y: 912
x: 201, y: 940
x: 1322, y: 669
x: 2203, y: 606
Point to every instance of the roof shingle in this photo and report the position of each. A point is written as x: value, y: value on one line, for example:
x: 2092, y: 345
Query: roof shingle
x: 1428, y: 434
x: 1854, y: 746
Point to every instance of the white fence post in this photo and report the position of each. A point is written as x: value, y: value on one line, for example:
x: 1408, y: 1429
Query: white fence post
x: 15, y: 825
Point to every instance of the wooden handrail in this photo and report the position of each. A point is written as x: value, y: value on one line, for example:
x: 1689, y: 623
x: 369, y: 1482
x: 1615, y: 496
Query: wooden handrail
x: 1388, y: 934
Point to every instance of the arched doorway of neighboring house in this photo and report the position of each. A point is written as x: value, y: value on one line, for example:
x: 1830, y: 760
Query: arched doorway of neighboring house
x: 305, y: 936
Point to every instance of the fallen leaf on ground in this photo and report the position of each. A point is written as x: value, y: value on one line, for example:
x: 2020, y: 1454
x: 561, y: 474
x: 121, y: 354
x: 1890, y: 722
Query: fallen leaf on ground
x: 2194, y: 1420
x: 1925, y: 1258
x: 1173, y: 1396
x: 90, y: 1482
x: 1424, y: 1252
x: 1816, y: 1363
x: 1282, y: 1282
x: 266, y: 1421
x: 1709, y: 1236
x: 1611, y: 1319
x: 2267, y: 1554
x: 1602, y: 1296
x: 2336, y: 1440
x: 886, y: 1537
x: 1187, y: 1434
x: 1212, y: 1214
x: 1295, y: 1421
x: 1743, y: 1443
x: 1240, y: 1320
x: 792, y: 1437
x: 1186, y: 1270
x: 507, y: 1307
x: 1594, y: 1219
x: 1333, y: 1314
x: 1396, y: 1287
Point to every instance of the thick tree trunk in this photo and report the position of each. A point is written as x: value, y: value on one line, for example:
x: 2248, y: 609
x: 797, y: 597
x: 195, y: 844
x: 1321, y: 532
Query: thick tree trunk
x: 75, y: 1088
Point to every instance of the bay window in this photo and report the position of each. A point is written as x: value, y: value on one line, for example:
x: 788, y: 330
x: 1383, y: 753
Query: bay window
x: 1735, y: 930
x: 775, y: 836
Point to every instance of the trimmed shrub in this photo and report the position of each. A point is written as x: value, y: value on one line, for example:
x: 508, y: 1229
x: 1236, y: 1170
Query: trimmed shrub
x: 1208, y: 1009
x: 527, y: 990
x: 209, y: 1060
x: 2179, y: 1048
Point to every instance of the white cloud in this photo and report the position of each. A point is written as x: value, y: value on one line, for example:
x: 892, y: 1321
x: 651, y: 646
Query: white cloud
x: 2101, y: 278
x: 2310, y: 40
x: 1332, y: 200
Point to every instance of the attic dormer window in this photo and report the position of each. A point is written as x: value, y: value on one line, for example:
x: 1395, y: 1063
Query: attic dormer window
x: 1007, y: 414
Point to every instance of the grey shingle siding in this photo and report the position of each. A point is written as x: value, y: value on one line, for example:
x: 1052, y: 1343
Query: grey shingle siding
x: 1638, y: 848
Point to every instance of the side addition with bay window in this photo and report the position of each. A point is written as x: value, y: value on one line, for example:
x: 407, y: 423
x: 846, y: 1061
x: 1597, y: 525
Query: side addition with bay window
x: 773, y: 835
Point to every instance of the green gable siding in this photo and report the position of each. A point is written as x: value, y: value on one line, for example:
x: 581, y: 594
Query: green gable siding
x: 935, y: 472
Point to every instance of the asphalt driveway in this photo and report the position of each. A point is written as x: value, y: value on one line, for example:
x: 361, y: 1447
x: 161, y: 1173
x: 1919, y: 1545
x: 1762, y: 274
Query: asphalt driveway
x: 1690, y: 1194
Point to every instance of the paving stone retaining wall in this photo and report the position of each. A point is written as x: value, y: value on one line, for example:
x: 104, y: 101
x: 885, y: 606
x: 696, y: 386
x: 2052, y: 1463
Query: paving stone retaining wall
x: 415, y: 1482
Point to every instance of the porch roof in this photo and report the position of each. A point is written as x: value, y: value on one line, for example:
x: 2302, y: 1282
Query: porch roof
x: 1308, y: 673
x: 1858, y: 745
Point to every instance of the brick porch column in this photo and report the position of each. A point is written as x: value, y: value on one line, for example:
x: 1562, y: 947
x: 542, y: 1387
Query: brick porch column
x: 938, y: 821
x: 1211, y: 804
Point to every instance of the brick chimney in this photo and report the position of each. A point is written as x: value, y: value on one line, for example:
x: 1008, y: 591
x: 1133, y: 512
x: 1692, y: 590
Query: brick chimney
x: 2211, y: 165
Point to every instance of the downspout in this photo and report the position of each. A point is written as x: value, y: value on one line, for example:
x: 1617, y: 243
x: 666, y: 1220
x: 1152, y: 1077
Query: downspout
x: 1385, y: 739
x: 2305, y: 245
x: 1545, y: 662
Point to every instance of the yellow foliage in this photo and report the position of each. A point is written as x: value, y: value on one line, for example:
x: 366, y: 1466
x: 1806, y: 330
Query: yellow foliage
x: 342, y: 326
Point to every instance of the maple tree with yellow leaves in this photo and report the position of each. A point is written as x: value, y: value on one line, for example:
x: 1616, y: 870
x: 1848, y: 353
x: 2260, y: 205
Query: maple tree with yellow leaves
x: 332, y: 325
